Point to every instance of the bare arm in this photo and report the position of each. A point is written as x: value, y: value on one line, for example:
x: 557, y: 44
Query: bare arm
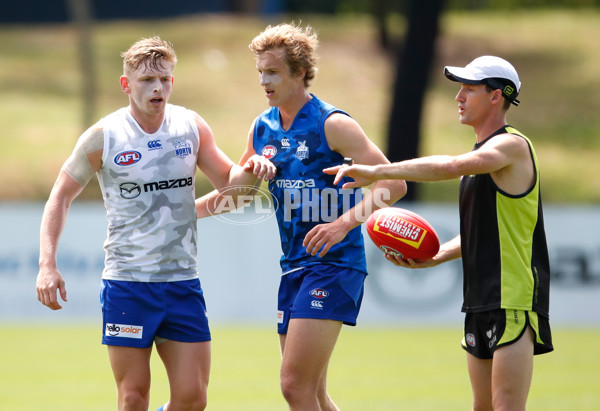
x: 506, y: 157
x: 224, y: 173
x: 75, y: 173
x: 49, y: 279
x: 345, y: 136
x: 448, y: 251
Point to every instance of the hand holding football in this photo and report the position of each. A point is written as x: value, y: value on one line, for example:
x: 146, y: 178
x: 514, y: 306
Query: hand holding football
x: 400, y: 232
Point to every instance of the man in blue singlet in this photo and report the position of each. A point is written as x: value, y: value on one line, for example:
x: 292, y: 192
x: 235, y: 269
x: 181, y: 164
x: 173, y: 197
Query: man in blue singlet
x: 502, y: 240
x: 323, y: 260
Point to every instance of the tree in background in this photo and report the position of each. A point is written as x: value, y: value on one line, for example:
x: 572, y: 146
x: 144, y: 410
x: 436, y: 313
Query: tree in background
x: 414, y: 57
x: 80, y: 12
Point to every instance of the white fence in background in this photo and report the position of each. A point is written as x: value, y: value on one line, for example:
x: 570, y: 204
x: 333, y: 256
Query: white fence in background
x: 239, y: 268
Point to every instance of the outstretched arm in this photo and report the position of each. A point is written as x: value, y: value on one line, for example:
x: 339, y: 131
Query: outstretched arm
x: 506, y: 157
x: 423, y: 169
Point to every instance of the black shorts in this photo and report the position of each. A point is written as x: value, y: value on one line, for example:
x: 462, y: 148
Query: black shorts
x: 488, y: 330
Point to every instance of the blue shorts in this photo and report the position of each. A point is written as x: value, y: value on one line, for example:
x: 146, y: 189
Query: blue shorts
x: 325, y: 292
x: 135, y: 313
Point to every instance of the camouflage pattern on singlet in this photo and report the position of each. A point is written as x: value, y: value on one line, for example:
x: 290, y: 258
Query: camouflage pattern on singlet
x: 147, y: 183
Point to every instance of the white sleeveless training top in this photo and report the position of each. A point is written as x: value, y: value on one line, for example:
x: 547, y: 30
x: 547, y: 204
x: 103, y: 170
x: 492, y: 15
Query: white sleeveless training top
x: 147, y: 182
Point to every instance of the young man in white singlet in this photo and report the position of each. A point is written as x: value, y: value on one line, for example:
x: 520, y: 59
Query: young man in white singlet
x: 145, y: 157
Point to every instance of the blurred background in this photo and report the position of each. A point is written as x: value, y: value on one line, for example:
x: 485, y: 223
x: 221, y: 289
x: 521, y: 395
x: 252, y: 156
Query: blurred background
x: 381, y: 61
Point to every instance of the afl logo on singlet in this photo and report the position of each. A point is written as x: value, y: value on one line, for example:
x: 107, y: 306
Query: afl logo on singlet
x: 127, y: 158
x: 268, y: 151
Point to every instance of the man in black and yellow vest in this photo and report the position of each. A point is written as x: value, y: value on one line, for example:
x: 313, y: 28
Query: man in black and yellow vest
x: 502, y: 240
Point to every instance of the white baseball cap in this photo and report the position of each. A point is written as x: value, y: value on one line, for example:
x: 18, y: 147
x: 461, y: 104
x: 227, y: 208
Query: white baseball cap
x: 490, y: 70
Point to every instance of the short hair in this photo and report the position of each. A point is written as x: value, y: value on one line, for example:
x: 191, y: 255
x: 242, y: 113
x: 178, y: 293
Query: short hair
x: 299, y: 44
x: 149, y: 51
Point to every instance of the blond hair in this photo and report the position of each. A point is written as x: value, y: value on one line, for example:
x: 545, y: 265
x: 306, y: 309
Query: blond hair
x: 148, y: 51
x: 299, y: 45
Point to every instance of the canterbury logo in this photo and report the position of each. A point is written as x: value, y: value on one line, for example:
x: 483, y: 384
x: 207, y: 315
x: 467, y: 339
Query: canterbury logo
x: 154, y: 145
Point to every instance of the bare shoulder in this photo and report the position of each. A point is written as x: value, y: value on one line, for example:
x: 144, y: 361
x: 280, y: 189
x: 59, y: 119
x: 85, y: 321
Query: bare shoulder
x: 506, y: 148
x: 200, y: 123
x: 205, y: 133
x: 519, y: 174
x: 340, y: 122
x: 92, y: 139
x: 344, y: 134
x: 508, y: 141
x: 516, y: 147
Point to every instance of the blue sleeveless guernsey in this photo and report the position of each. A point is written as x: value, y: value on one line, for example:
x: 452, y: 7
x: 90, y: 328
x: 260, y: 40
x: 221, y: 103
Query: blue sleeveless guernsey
x: 303, y: 195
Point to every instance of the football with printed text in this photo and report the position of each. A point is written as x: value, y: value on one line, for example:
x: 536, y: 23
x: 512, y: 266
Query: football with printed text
x: 402, y: 233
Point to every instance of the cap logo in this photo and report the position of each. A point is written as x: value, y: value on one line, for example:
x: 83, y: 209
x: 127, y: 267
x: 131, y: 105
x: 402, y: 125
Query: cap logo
x: 508, y: 90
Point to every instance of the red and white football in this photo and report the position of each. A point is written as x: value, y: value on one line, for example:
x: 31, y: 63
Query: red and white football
x: 402, y: 233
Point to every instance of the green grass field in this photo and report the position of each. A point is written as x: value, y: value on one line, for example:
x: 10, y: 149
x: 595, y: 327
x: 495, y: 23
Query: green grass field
x: 64, y: 367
